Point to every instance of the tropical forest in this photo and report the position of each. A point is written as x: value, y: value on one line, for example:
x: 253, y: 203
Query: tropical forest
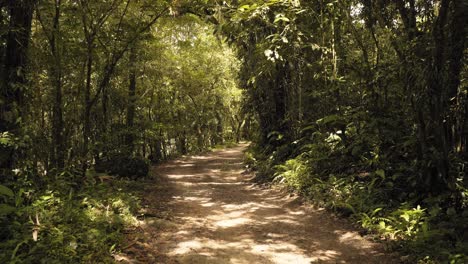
x: 233, y: 132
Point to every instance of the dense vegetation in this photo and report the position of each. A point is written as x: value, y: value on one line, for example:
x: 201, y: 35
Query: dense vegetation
x: 359, y: 105
x: 92, y: 89
x: 362, y: 106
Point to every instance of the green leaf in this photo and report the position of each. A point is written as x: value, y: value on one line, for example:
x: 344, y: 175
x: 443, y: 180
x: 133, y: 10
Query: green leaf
x: 405, y: 216
x: 380, y: 173
x: 244, y: 8
x: 382, y: 224
x: 6, y: 191
x: 328, y: 119
x: 376, y: 211
x: 6, y: 209
x: 281, y: 17
x: 6, y: 139
x: 315, y: 46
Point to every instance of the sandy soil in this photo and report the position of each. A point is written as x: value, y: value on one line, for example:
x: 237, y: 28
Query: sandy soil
x: 204, y: 209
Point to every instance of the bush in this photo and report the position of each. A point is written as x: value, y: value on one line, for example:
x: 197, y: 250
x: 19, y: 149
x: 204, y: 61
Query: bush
x: 375, y: 191
x: 124, y: 166
x: 61, y: 224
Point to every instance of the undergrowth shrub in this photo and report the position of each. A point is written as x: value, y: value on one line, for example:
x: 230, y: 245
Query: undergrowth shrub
x: 293, y: 173
x: 374, y: 190
x: 63, y: 224
x: 124, y: 166
x: 403, y: 223
x: 249, y: 159
x: 227, y: 144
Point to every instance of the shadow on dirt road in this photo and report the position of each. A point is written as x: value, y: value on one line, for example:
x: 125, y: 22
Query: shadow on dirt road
x: 203, y: 209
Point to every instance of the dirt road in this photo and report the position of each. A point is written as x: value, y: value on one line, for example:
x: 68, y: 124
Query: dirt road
x: 202, y: 209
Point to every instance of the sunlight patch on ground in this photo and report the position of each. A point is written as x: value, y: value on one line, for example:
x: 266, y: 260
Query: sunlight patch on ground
x: 247, y: 250
x: 188, y: 246
x: 180, y: 176
x: 249, y: 205
x: 284, y: 218
x: 229, y: 178
x: 197, y: 199
x: 287, y: 221
x: 287, y: 257
x: 208, y: 204
x: 226, y: 215
x: 178, y: 164
x: 219, y: 183
x: 208, y: 245
x: 274, y: 235
x: 188, y: 183
x: 324, y: 255
x: 351, y: 238
x: 233, y: 222
x: 200, y: 157
x: 230, y: 151
x: 296, y: 212
x: 348, y: 236
x: 183, y: 233
x: 187, y: 165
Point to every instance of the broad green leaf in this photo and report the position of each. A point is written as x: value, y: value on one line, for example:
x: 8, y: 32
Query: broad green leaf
x: 380, y: 173
x: 6, y: 191
x: 382, y: 224
x: 6, y: 139
x: 244, y: 8
x: 405, y: 216
x: 328, y: 119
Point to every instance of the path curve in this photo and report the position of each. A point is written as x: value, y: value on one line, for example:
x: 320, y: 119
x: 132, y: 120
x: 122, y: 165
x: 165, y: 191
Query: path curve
x: 202, y: 209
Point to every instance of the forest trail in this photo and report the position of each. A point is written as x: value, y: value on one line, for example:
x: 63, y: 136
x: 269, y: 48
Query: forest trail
x: 203, y: 209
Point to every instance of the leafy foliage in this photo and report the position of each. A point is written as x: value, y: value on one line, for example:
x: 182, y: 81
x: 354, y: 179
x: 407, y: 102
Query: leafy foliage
x: 103, y: 86
x: 361, y: 106
x: 124, y: 166
x: 61, y: 224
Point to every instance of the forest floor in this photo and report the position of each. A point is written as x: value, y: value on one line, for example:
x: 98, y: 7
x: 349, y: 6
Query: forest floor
x: 205, y: 209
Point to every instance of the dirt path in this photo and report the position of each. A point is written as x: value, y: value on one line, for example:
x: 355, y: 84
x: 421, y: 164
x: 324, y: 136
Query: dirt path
x: 202, y: 209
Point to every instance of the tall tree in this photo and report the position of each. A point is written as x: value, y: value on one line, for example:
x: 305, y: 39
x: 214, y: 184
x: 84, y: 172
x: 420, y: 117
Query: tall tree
x: 14, y: 74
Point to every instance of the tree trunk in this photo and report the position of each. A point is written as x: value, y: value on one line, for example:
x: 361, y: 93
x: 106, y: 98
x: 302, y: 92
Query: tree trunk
x: 56, y: 77
x: 182, y: 144
x: 458, y: 27
x: 14, y: 74
x: 219, y: 137
x: 130, y: 138
x: 87, y: 109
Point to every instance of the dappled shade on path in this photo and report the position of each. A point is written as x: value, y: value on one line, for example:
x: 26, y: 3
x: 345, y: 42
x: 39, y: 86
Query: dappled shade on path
x: 203, y: 209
